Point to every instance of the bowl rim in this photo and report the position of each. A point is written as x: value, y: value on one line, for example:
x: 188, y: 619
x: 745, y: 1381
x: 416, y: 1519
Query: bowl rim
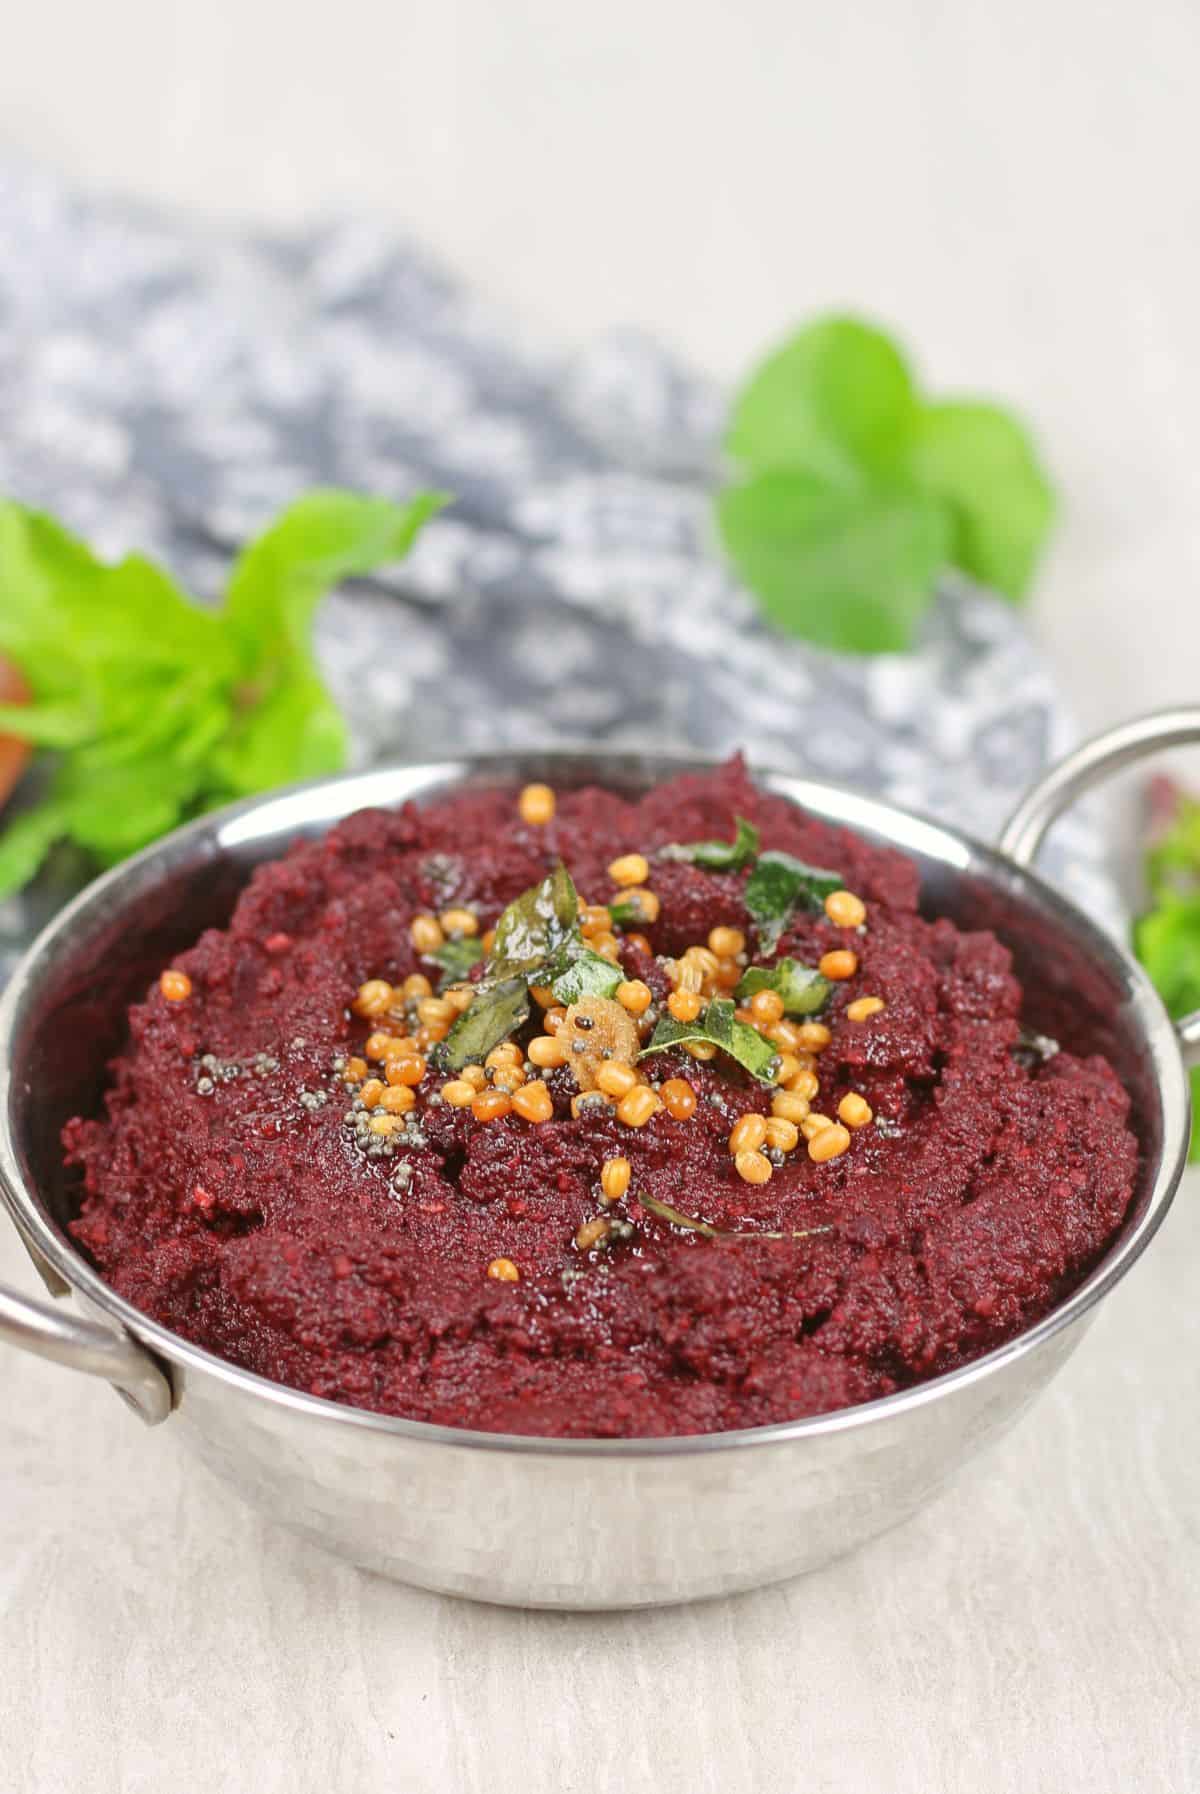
x: 227, y: 829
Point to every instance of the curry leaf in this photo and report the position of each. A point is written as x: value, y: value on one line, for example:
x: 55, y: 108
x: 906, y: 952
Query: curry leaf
x: 718, y: 856
x: 775, y: 887
x: 803, y: 990
x: 588, y: 975
x: 497, y: 1011
x: 537, y: 941
x: 457, y: 958
x: 719, y: 1026
x: 535, y: 926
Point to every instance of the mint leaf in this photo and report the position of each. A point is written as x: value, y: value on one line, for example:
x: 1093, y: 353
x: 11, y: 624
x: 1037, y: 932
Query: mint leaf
x: 719, y: 1026
x: 1167, y: 941
x: 844, y: 569
x: 775, y: 887
x: 982, y: 463
x: 718, y: 856
x: 803, y: 989
x: 26, y: 842
x: 157, y: 707
x: 852, y: 493
x: 46, y: 725
x: 318, y: 541
x: 294, y: 731
x: 1167, y: 938
x: 836, y: 402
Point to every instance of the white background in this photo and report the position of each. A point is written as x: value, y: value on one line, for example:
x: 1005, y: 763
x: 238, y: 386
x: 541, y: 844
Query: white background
x: 1014, y: 187
x: 1011, y: 186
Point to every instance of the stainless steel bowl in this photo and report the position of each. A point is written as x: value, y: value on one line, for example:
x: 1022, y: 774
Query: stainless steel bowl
x: 563, y: 1523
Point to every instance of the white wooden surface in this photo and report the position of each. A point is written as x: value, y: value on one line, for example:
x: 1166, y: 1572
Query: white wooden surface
x: 1014, y: 187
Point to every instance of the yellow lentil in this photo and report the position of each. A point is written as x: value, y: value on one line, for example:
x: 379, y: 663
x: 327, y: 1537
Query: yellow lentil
x: 536, y: 805
x: 753, y: 1167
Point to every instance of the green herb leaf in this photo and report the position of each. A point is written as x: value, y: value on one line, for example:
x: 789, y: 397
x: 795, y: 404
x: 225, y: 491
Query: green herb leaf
x: 535, y: 927
x: 26, y: 842
x: 46, y: 725
x: 777, y: 884
x: 590, y: 975
x: 980, y: 460
x: 718, y: 856
x: 1167, y: 938
x: 316, y: 543
x: 1167, y: 941
x: 853, y: 493
x: 537, y: 942
x: 835, y: 401
x: 497, y: 1011
x: 457, y: 958
x: 1173, y: 860
x: 719, y: 1026
x: 845, y: 569
x: 803, y: 989
x: 158, y: 708
x: 677, y: 1218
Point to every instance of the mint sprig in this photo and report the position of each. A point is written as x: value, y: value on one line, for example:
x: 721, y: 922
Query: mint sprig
x: 157, y: 708
x: 852, y: 492
x: 1166, y: 937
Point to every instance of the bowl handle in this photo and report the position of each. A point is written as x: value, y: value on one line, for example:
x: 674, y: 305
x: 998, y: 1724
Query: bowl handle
x: 1110, y: 752
x: 52, y: 1333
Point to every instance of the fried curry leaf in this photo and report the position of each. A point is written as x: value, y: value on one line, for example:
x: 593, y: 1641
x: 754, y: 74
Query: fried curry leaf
x: 718, y: 856
x: 777, y: 885
x: 590, y: 975
x: 677, y: 1218
x: 803, y: 989
x: 535, y: 927
x: 719, y: 1026
x: 457, y: 958
x: 497, y: 1011
x: 537, y: 942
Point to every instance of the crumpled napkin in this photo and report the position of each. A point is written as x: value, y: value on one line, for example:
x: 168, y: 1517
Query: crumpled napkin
x: 167, y: 387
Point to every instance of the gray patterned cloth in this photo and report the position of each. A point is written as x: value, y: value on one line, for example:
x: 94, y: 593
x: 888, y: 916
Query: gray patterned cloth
x: 167, y: 388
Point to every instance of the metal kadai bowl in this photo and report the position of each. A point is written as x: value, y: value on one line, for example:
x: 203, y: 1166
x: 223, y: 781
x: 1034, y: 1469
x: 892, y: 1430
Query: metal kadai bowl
x: 548, y: 1522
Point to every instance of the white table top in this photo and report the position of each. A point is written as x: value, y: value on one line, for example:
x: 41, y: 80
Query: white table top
x: 1038, y: 1628
x: 1010, y: 186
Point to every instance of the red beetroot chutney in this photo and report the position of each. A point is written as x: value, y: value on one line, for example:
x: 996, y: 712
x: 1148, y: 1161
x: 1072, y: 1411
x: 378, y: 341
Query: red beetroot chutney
x: 229, y: 1196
